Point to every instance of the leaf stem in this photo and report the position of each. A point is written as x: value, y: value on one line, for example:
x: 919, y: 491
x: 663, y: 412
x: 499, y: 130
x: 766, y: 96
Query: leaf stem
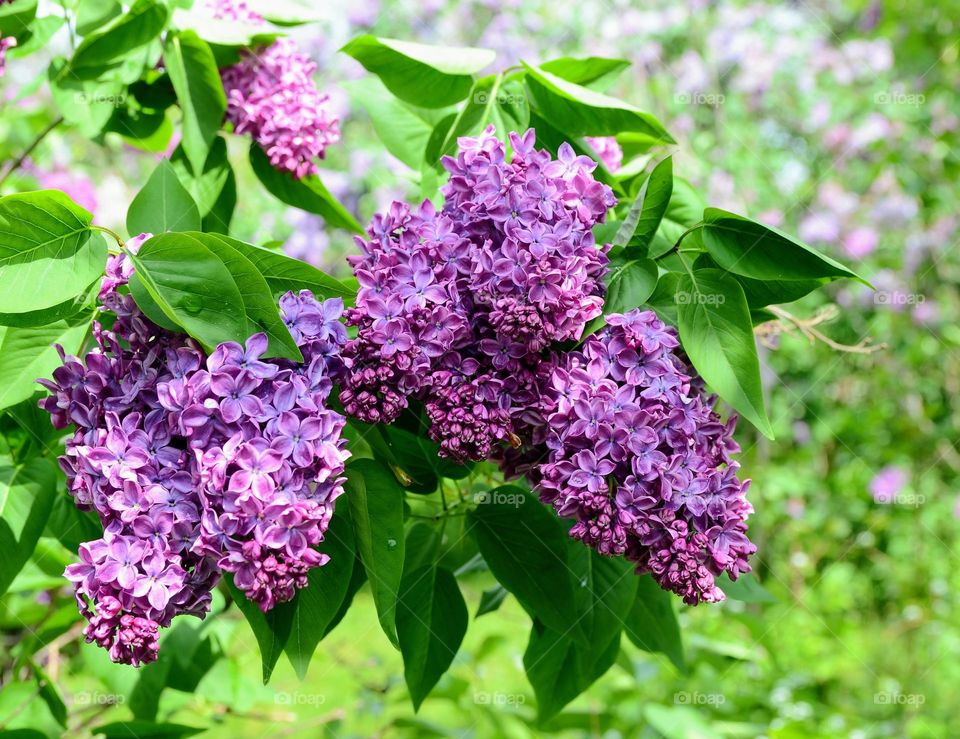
x: 18, y: 162
x: 110, y: 232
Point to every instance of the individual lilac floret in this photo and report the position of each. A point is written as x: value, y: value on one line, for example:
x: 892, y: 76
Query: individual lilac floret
x: 609, y: 151
x: 5, y: 43
x: 640, y: 461
x: 195, y: 464
x: 271, y: 95
x: 456, y: 308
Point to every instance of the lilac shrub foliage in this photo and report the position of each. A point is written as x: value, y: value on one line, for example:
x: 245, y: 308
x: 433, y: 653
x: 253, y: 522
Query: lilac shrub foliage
x: 456, y: 307
x: 640, y: 461
x: 195, y: 464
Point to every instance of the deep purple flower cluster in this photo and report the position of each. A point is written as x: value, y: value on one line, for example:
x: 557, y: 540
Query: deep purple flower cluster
x: 271, y: 95
x: 5, y: 43
x: 642, y: 463
x: 456, y: 308
x: 196, y: 465
x: 609, y: 151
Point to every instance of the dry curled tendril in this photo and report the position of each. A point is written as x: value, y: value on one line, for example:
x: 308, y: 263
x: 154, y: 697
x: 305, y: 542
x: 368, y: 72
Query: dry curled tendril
x: 786, y: 323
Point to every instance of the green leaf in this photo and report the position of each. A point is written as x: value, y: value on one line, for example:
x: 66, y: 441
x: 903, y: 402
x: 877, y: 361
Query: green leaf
x: 308, y: 193
x: 652, y: 624
x: 163, y: 204
x: 48, y: 252
x: 214, y: 189
x: 607, y: 588
x: 318, y: 604
x: 580, y: 111
x: 62, y: 311
x: 745, y: 588
x: 193, y: 288
x: 647, y: 211
x: 629, y: 284
x: 263, y: 313
x: 402, y: 129
x: 492, y: 100
x: 560, y: 668
x: 85, y: 104
x: 271, y: 629
x: 748, y: 248
x: 196, y: 79
x: 41, y: 31
x: 430, y: 76
x: 683, y: 211
x: 679, y: 722
x: 525, y: 547
x: 595, y: 72
x: 28, y: 354
x: 431, y: 623
x: 106, y: 49
x: 145, y: 730
x: 664, y: 298
x: 93, y: 14
x: 420, y: 459
x: 376, y: 507
x: 491, y: 599
x: 26, y: 498
x: 16, y: 17
x: 284, y: 273
x: 717, y: 334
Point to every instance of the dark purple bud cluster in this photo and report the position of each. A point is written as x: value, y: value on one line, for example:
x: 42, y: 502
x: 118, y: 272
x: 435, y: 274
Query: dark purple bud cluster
x: 456, y: 308
x: 641, y: 462
x: 196, y: 464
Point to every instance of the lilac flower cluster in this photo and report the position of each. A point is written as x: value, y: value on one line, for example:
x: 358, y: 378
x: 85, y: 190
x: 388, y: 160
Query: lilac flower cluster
x: 5, y: 43
x: 272, y: 96
x: 234, y: 10
x: 196, y: 465
x: 456, y: 308
x: 609, y: 151
x: 641, y: 462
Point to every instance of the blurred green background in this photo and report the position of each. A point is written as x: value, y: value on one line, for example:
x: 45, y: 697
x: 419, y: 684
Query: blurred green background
x: 837, y: 120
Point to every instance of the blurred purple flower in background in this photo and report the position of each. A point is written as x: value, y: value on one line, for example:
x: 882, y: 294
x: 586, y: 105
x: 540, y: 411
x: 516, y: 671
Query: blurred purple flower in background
x: 888, y: 483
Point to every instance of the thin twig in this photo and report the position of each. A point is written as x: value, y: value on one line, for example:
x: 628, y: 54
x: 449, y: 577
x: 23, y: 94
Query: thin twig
x: 36, y: 142
x: 786, y: 322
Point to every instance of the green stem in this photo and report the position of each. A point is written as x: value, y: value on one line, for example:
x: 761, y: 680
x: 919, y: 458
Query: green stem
x: 29, y: 150
x: 113, y: 234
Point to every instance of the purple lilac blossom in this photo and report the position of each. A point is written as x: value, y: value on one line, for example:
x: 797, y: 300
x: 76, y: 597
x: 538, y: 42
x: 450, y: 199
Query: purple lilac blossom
x: 888, y: 483
x: 5, y: 43
x: 234, y: 10
x: 195, y: 464
x: 456, y: 307
x: 271, y: 95
x: 640, y: 461
x: 609, y: 151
